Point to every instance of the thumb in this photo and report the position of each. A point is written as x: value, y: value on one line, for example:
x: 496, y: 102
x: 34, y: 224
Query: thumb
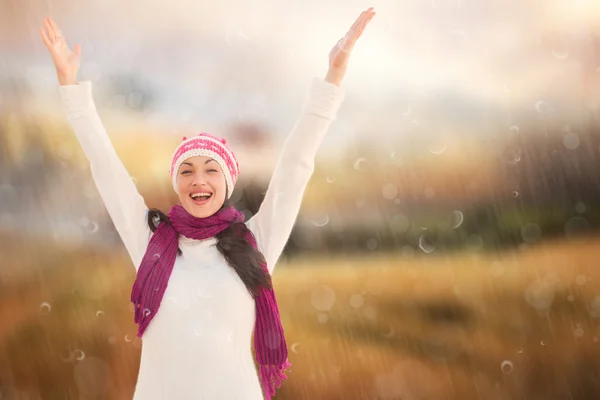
x: 77, y: 50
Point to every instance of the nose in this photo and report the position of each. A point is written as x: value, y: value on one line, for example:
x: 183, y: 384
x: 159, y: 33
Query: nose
x: 199, y: 179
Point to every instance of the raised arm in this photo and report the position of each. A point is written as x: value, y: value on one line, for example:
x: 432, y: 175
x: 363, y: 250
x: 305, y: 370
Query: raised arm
x: 125, y: 205
x: 275, y: 219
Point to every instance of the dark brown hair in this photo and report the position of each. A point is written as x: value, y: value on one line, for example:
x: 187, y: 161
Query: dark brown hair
x: 232, y: 244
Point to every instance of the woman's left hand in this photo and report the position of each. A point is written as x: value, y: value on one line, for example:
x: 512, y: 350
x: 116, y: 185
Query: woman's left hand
x: 340, y: 54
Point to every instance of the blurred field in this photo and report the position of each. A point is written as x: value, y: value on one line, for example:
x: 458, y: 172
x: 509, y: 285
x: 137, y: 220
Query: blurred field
x: 515, y: 325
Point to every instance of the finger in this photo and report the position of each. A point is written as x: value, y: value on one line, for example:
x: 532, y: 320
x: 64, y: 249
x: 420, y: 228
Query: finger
x: 54, y: 26
x: 77, y: 50
x: 50, y: 31
x: 45, y: 37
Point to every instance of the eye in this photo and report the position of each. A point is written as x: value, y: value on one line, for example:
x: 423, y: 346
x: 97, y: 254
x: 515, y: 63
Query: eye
x: 212, y: 170
x: 186, y: 172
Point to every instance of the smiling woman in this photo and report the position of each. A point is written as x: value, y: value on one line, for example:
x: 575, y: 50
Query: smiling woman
x: 203, y: 253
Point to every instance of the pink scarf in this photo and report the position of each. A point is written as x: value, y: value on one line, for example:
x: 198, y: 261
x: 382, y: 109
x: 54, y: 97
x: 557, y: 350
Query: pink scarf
x: 155, y: 269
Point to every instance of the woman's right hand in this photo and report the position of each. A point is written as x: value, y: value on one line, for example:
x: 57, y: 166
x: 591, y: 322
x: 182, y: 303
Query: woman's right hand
x: 65, y: 61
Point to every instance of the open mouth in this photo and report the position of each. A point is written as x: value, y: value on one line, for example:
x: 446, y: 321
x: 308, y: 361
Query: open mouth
x: 201, y: 198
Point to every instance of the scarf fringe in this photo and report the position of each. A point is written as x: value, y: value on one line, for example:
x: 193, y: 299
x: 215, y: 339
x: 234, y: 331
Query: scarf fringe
x: 272, y: 377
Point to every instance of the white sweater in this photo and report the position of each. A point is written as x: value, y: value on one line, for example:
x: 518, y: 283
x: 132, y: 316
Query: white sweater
x: 198, y: 346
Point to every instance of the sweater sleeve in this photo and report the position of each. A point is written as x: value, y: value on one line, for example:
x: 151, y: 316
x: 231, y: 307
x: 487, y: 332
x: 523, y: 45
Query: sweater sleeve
x: 273, y: 223
x: 125, y: 205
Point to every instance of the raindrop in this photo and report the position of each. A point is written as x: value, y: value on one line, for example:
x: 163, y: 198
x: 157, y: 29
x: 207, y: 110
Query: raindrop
x: 576, y: 226
x: 79, y: 355
x: 156, y: 256
x: 429, y: 193
x: 512, y: 156
x: 322, y: 298
x: 474, y: 242
x: 321, y: 221
x: 571, y: 141
x: 515, y: 194
x: 580, y: 208
x: 91, y: 227
x: 322, y: 318
x: 45, y: 308
x: 372, y: 244
x: 128, y: 338
x: 65, y: 356
x: 438, y: 148
x: 357, y: 300
x: 295, y: 347
x: 578, y: 332
x: 542, y: 107
x: 531, y: 233
x: 147, y: 312
x: 520, y: 351
x: 540, y: 295
x: 506, y: 367
x: 390, y: 191
x: 426, y: 244
x: 496, y: 269
x: 99, y: 314
x: 543, y: 343
x: 515, y: 128
x: 409, y: 110
x: 456, y: 219
x: 408, y: 251
x: 561, y: 54
x: 358, y: 162
x: 459, y: 34
x: 329, y: 180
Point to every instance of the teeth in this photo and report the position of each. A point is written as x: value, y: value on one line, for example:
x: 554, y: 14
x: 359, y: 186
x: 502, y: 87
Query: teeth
x: 195, y: 195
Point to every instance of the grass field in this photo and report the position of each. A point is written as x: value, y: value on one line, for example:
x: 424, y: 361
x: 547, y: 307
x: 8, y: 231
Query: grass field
x: 513, y: 325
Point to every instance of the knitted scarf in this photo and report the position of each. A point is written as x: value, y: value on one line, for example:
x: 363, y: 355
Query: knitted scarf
x: 155, y: 269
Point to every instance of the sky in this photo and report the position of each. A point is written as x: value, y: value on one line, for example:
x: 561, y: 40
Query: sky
x: 213, y: 61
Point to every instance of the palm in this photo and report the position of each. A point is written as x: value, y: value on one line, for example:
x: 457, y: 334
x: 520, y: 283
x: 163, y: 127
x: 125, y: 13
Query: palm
x: 65, y: 60
x: 340, y: 53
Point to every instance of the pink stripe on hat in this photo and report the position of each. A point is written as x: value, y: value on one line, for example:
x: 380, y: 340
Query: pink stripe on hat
x: 205, y: 144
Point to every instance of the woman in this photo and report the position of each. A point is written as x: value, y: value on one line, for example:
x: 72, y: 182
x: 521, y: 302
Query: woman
x: 203, y: 285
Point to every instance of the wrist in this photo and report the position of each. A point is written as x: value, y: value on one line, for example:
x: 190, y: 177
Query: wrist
x: 64, y: 80
x: 335, y: 76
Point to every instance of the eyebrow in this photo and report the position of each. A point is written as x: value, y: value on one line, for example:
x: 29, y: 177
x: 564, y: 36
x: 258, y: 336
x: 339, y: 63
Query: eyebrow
x: 191, y: 165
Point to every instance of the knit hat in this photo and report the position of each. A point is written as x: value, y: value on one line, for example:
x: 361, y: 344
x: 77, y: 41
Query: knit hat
x: 205, y: 144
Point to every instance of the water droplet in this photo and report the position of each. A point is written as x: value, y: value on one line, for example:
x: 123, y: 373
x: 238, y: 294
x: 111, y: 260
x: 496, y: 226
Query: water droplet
x: 512, y: 156
x: 322, y: 318
x: 321, y: 221
x: 91, y: 227
x: 128, y: 338
x: 156, y: 256
x: 79, y: 354
x: 409, y: 110
x: 496, y: 269
x: 542, y: 107
x: 358, y: 162
x: 561, y: 54
x: 456, y: 219
x: 578, y: 332
x: 515, y: 128
x: 372, y: 244
x: 323, y: 298
x: 147, y: 312
x: 357, y: 300
x: 520, y: 351
x: 571, y: 141
x: 390, y: 191
x: 99, y: 314
x: 438, y: 148
x: 45, y: 308
x: 543, y: 343
x: 581, y: 280
x: 295, y: 347
x: 112, y: 340
x: 580, y: 208
x: 515, y: 194
x: 426, y: 244
x: 506, y: 367
x: 531, y: 233
x: 329, y: 180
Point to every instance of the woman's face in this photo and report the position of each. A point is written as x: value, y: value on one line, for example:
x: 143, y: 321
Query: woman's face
x: 201, y: 186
